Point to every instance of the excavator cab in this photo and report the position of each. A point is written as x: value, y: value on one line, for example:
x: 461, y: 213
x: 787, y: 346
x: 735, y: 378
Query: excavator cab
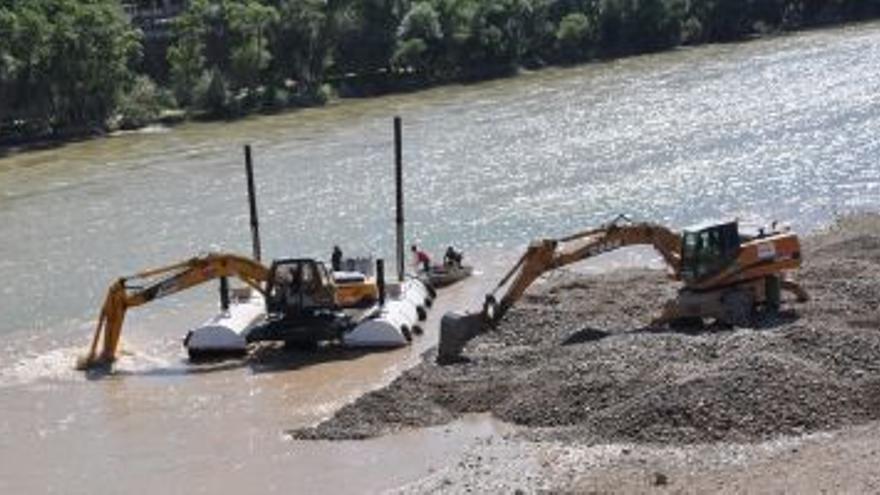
x: 706, y: 251
x: 298, y: 285
x: 302, y: 307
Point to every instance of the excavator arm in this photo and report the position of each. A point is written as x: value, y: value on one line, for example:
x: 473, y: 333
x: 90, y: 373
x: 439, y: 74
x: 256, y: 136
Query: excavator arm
x: 141, y: 288
x: 549, y: 254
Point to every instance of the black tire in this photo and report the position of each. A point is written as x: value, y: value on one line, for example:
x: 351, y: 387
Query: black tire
x: 422, y: 312
x: 417, y: 330
x: 406, y: 333
x: 738, y: 309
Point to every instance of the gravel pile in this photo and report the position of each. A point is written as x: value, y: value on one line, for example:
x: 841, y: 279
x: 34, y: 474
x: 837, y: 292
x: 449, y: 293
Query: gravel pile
x: 577, y: 359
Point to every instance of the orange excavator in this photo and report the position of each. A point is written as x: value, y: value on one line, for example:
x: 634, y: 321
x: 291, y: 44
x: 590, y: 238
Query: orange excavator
x: 302, y: 300
x: 726, y: 274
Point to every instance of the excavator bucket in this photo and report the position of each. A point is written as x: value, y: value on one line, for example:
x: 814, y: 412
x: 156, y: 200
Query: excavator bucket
x: 456, y: 329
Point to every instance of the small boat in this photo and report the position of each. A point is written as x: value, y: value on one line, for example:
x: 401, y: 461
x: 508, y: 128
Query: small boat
x: 444, y: 275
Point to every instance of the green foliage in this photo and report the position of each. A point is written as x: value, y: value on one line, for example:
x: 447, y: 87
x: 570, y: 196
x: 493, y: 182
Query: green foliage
x: 141, y: 105
x: 247, y: 61
x: 656, y: 24
x: 249, y: 56
x: 213, y: 96
x: 496, y: 36
x: 411, y: 54
x: 420, y: 38
x: 692, y: 31
x: 303, y: 43
x: 633, y: 26
x: 721, y: 20
x: 575, y: 36
x: 423, y: 22
x: 186, y: 58
x: 63, y: 63
x: 367, y: 41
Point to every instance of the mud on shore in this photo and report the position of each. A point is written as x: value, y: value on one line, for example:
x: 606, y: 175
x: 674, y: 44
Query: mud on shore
x: 576, y: 360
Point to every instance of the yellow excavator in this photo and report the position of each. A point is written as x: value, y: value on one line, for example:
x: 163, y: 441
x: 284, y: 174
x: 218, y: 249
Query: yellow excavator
x: 726, y: 274
x: 302, y: 300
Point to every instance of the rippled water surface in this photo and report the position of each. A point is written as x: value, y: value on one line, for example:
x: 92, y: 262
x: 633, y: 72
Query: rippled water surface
x: 784, y: 128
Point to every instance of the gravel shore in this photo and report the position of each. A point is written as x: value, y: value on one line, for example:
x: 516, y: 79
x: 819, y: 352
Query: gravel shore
x: 576, y: 363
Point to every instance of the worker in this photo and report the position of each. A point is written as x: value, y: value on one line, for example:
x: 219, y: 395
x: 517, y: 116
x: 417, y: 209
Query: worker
x: 336, y: 259
x: 421, y: 258
x: 452, y: 258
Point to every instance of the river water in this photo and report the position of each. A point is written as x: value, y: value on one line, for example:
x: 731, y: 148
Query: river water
x: 784, y: 128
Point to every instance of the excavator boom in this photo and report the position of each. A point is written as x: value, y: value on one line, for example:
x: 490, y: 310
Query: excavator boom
x: 548, y: 254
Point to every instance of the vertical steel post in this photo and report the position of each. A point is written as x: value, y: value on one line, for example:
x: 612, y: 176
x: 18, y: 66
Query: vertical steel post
x: 380, y: 280
x: 224, y: 293
x: 252, y: 199
x: 398, y: 180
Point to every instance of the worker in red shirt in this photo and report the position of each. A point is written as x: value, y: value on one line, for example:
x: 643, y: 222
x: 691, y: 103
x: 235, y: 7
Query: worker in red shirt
x: 421, y: 258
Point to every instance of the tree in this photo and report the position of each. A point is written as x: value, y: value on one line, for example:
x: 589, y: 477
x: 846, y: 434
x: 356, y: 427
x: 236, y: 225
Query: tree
x: 305, y: 41
x: 65, y: 62
x: 722, y: 20
x: 420, y: 37
x: 24, y: 56
x: 575, y: 36
x: 655, y: 24
x: 422, y: 21
x: 249, y: 56
x: 140, y: 105
x: 186, y: 55
x: 494, y: 40
x: 367, y: 40
x: 213, y: 94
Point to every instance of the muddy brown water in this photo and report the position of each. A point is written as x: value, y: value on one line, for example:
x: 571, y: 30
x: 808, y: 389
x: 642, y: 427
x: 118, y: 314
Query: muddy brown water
x: 783, y: 128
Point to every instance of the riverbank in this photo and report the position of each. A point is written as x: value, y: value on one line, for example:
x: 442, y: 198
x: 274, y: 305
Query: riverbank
x: 578, y: 371
x: 355, y: 87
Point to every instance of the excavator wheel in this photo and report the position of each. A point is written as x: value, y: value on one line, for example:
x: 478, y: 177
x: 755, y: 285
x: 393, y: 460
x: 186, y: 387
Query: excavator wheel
x: 738, y: 309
